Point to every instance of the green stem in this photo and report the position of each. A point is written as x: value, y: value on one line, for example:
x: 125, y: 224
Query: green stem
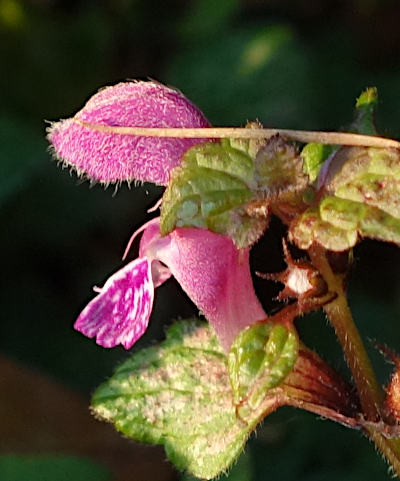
x: 339, y: 314
x: 368, y: 388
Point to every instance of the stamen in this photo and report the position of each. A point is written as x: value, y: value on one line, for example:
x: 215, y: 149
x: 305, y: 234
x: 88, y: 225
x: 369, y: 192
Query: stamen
x: 156, y: 206
x: 133, y: 237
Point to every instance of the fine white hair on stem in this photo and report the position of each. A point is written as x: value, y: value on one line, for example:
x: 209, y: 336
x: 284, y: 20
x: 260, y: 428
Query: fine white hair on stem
x: 305, y: 136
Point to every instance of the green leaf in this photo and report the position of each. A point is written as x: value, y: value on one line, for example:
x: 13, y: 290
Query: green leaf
x: 341, y: 213
x: 367, y: 175
x: 364, y: 175
x: 362, y: 199
x: 338, y: 223
x: 241, y: 470
x: 259, y: 360
x: 210, y: 189
x: 378, y: 225
x: 178, y: 394
x: 314, y: 156
x: 363, y: 122
x: 227, y: 187
x: 309, y: 228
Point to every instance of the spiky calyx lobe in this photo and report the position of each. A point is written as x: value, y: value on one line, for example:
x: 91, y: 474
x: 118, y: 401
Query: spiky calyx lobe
x: 392, y: 400
x: 300, y: 279
x: 110, y: 157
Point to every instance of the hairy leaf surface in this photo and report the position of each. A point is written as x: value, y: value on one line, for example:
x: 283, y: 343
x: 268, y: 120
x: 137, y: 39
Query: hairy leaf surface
x: 178, y: 394
x: 260, y: 359
x: 210, y: 189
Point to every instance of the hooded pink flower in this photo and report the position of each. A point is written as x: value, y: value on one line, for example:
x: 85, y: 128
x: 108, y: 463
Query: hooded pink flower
x: 210, y: 269
x: 111, y: 157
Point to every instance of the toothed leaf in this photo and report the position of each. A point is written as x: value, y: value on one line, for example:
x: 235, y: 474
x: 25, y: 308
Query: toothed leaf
x: 371, y: 176
x: 210, y: 189
x: 359, y: 190
x: 178, y: 394
x: 259, y: 360
x: 338, y: 223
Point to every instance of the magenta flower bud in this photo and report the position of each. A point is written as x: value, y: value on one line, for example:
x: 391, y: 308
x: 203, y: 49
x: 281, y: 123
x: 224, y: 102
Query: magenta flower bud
x: 209, y: 268
x: 110, y: 157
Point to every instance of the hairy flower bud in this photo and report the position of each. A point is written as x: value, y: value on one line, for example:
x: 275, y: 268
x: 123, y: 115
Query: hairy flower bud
x: 110, y: 157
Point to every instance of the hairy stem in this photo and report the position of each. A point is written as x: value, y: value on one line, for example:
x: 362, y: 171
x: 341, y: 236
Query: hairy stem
x: 369, y: 390
x: 339, y: 314
x: 305, y: 136
x: 390, y: 448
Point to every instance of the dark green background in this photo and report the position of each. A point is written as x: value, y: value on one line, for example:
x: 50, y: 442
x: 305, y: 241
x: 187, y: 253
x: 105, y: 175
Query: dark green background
x: 290, y: 64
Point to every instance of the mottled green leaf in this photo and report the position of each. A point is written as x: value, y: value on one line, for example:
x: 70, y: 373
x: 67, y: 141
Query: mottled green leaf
x: 178, y: 394
x: 309, y: 228
x: 342, y: 214
x: 260, y: 358
x: 338, y: 223
x: 381, y: 226
x: 359, y: 219
x: 367, y: 175
x: 210, y: 189
x: 377, y: 190
x: 351, y: 163
x: 359, y: 195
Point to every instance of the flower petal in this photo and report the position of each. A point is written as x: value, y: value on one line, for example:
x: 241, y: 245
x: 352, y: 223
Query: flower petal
x: 120, y: 313
x: 109, y: 157
x: 151, y: 233
x: 215, y: 275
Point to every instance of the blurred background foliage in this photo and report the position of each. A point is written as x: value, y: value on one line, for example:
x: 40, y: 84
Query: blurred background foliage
x: 288, y: 63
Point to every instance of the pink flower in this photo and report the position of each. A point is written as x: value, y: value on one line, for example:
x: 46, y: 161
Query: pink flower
x: 110, y: 157
x: 209, y: 268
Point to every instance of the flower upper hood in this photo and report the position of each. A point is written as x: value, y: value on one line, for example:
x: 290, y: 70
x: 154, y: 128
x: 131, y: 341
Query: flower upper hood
x: 110, y: 157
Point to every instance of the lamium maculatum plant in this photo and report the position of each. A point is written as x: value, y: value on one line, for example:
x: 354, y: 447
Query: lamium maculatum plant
x: 204, y: 389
